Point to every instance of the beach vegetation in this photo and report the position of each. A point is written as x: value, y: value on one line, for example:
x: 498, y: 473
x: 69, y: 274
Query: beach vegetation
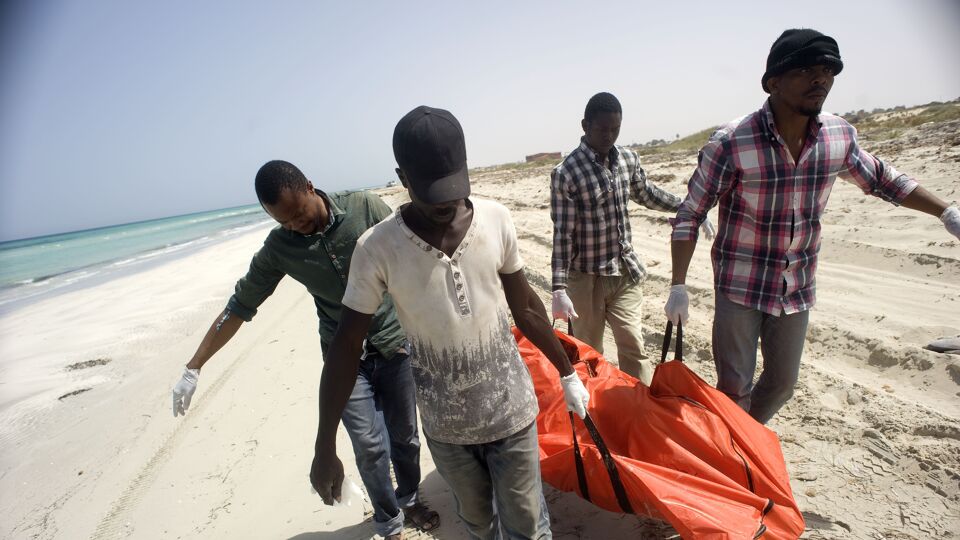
x: 690, y: 143
x: 882, y: 124
x: 877, y: 124
x: 518, y: 166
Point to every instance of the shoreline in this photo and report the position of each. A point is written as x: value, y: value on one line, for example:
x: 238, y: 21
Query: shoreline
x: 115, y: 268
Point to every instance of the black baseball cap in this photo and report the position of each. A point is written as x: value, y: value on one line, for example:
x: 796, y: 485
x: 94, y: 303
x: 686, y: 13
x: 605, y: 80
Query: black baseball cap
x: 428, y: 146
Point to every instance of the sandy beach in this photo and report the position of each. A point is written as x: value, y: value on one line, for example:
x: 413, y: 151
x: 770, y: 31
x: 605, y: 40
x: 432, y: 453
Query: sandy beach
x: 871, y: 437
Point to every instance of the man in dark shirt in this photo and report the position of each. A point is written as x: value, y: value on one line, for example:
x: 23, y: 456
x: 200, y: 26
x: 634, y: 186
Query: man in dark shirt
x: 314, y: 244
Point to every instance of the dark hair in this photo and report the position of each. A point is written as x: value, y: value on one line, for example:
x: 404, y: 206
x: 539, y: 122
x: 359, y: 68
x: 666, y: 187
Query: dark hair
x: 604, y: 102
x: 276, y: 176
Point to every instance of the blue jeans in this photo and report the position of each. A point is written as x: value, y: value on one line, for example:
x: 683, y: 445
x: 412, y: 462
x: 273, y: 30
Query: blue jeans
x: 496, y: 483
x: 381, y: 419
x: 736, y: 330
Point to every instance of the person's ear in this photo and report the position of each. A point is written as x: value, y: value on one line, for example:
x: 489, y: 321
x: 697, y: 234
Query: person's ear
x: 585, y: 124
x: 402, y: 177
x: 310, y: 187
x: 773, y: 84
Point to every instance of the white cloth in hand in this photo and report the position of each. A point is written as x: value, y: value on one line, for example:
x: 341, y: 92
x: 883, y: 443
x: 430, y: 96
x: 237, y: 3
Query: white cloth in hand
x: 575, y: 394
x: 951, y: 220
x: 349, y: 492
x: 707, y: 228
x: 562, y: 306
x: 183, y: 391
x: 678, y: 305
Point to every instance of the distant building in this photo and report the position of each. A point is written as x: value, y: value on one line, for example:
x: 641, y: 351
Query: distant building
x: 392, y: 183
x: 542, y: 156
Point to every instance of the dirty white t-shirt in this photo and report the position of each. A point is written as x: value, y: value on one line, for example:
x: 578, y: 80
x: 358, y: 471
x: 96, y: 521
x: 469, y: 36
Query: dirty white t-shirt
x: 472, y: 386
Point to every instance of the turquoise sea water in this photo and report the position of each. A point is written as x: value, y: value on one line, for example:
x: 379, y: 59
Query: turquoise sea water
x: 37, y: 267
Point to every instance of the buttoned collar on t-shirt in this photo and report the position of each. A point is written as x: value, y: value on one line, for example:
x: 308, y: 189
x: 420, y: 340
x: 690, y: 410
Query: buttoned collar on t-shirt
x: 460, y: 295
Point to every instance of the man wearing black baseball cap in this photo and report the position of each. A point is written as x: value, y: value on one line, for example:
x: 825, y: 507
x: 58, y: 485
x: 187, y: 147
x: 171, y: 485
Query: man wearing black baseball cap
x: 452, y: 266
x: 771, y: 172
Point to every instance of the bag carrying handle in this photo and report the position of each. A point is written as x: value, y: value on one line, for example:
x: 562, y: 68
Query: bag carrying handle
x: 553, y: 324
x: 666, y: 342
x: 578, y: 462
x: 608, y: 463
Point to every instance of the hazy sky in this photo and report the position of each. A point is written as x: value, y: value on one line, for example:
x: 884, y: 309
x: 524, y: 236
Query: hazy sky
x: 115, y: 111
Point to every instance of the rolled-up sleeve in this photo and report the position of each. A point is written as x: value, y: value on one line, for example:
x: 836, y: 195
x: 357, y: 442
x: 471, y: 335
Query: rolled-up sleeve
x: 252, y: 289
x: 712, y: 177
x: 874, y: 176
x: 563, y: 212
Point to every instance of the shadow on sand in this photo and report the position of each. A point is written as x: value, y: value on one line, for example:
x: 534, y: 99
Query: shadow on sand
x: 434, y: 492
x: 571, y: 518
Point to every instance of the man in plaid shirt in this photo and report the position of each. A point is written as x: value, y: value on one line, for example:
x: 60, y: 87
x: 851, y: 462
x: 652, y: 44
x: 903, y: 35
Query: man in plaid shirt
x: 596, y: 272
x: 771, y: 172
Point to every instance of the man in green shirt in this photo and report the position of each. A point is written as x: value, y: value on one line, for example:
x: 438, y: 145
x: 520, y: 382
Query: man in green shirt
x: 314, y: 244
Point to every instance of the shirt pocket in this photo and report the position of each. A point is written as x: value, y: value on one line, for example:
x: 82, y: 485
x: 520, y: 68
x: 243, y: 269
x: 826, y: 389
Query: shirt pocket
x: 751, y: 191
x: 594, y: 200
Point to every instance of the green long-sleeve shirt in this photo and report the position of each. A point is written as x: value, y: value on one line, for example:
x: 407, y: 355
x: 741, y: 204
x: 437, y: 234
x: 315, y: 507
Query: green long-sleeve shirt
x: 321, y: 262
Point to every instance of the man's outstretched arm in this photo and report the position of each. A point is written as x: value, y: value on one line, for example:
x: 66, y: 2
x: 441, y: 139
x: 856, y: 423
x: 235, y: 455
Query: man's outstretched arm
x: 336, y: 383
x: 923, y: 200
x: 875, y: 177
x: 221, y: 331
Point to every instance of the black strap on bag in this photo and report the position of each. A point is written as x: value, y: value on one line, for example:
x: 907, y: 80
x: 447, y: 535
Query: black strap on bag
x: 608, y: 462
x: 553, y: 323
x: 667, y: 334
x: 578, y: 461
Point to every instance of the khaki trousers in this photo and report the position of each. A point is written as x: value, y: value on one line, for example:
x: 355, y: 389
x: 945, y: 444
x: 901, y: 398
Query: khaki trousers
x: 613, y: 300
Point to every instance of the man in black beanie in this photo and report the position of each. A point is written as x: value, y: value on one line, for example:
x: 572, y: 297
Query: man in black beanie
x: 771, y: 172
x: 801, y: 47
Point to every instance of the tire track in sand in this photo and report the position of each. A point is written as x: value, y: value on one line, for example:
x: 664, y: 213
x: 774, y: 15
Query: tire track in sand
x: 113, y: 525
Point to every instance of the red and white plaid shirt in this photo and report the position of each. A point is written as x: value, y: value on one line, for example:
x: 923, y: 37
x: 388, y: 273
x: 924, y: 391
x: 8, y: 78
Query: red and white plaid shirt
x: 765, y: 253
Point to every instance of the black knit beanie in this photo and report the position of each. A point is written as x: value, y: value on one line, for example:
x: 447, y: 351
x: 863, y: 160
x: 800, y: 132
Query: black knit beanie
x: 801, y: 47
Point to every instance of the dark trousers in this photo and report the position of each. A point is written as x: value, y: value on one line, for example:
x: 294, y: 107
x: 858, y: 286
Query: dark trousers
x: 736, y: 330
x: 381, y: 419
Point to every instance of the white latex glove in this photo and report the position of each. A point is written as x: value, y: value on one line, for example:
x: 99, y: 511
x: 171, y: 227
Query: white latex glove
x: 951, y: 220
x: 707, y: 228
x: 562, y: 306
x: 575, y: 394
x: 183, y: 391
x: 678, y: 305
